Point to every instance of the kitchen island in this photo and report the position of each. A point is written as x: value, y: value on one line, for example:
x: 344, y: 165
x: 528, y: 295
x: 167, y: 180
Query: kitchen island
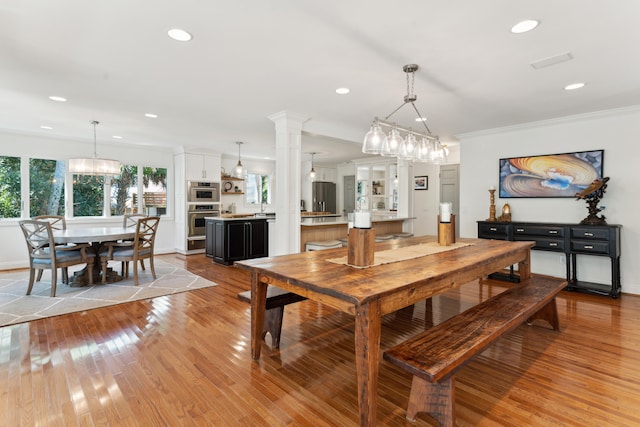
x: 236, y: 237
x: 335, y: 227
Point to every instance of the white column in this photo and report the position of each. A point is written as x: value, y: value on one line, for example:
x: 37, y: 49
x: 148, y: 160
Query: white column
x: 288, y: 158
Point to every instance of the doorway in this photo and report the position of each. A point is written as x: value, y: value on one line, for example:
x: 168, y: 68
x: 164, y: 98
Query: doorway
x: 450, y: 190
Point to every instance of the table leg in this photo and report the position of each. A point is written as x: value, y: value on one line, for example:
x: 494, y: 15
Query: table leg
x: 367, y: 346
x: 258, y: 305
x: 524, y: 266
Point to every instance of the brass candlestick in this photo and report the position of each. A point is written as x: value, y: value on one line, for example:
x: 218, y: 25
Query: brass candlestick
x: 492, y: 206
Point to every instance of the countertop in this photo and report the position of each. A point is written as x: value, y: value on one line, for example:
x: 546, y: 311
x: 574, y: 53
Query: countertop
x: 311, y: 222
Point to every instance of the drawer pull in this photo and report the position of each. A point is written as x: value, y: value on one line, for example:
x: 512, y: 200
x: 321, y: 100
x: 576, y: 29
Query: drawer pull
x: 520, y: 230
x: 553, y: 244
x: 588, y: 247
x: 493, y: 229
x: 553, y: 232
x: 588, y: 234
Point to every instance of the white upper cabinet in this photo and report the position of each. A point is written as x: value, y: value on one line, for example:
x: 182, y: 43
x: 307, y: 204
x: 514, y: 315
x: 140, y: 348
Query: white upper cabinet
x: 200, y: 167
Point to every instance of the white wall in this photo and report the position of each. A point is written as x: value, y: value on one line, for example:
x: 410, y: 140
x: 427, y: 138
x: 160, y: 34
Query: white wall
x: 13, y: 250
x: 616, y: 131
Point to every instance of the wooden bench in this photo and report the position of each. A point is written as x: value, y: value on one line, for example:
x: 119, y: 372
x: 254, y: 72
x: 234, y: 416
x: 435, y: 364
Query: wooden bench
x: 277, y: 298
x: 434, y: 356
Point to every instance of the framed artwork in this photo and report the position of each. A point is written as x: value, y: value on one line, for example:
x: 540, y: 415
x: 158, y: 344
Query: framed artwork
x: 550, y: 175
x: 421, y: 183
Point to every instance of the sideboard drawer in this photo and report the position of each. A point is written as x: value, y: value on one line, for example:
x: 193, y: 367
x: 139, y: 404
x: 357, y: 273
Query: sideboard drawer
x: 538, y: 230
x: 590, y: 247
x: 590, y: 233
x: 493, y: 231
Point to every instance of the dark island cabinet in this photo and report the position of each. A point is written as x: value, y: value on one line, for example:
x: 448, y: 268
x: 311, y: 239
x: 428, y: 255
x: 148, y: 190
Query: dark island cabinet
x: 571, y: 239
x: 234, y: 240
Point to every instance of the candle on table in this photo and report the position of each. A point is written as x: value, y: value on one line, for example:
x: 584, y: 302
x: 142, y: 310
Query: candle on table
x: 445, y: 212
x: 362, y: 219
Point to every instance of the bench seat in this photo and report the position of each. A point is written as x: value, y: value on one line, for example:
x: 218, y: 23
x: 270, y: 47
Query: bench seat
x: 277, y: 298
x: 434, y: 356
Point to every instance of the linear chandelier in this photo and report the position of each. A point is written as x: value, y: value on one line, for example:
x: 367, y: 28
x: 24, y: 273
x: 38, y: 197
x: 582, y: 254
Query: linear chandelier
x: 94, y: 165
x: 417, y: 146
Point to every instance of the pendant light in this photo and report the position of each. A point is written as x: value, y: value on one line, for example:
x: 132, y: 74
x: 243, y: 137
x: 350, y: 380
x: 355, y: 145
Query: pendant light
x: 238, y: 172
x: 311, y: 176
x: 94, y: 165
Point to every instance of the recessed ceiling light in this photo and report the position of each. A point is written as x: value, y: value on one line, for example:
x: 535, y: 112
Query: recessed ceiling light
x: 116, y: 137
x: 574, y: 86
x: 151, y: 116
x: 342, y: 90
x: 179, y: 35
x: 46, y: 127
x: 58, y: 99
x: 421, y: 119
x: 524, y: 26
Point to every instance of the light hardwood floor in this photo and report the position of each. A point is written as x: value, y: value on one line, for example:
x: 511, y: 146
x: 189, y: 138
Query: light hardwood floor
x: 184, y: 360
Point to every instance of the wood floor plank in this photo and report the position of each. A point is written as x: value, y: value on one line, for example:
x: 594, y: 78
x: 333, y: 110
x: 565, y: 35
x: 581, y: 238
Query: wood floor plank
x: 185, y: 360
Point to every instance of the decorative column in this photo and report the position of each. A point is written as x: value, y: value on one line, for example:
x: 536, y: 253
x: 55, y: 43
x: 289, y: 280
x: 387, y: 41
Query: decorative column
x: 287, y: 180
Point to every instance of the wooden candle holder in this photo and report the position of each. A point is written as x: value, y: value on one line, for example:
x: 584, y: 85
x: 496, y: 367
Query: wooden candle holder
x: 446, y: 234
x: 360, y: 246
x: 453, y: 230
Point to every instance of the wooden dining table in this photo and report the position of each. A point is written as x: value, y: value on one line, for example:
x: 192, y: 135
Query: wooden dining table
x: 370, y: 293
x: 97, y: 237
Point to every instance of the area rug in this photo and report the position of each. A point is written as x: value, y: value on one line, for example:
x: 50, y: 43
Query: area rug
x: 16, y: 307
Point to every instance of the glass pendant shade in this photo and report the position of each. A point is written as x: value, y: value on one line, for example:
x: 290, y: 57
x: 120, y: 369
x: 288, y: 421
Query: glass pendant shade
x: 407, y: 150
x: 424, y: 150
x: 374, y: 140
x: 394, y: 141
x: 311, y: 176
x: 238, y: 171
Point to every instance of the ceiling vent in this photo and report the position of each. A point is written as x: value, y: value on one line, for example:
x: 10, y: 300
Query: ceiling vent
x: 552, y: 60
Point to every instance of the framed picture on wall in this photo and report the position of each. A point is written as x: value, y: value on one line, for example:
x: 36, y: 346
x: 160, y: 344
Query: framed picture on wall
x: 550, y: 175
x: 421, y: 183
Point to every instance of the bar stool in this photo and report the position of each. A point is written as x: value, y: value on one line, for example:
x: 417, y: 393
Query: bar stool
x: 384, y: 237
x: 402, y: 235
x: 324, y: 244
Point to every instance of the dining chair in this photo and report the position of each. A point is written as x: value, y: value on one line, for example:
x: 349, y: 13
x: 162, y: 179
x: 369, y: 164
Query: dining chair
x: 141, y: 247
x: 45, y: 255
x: 130, y: 221
x: 58, y: 222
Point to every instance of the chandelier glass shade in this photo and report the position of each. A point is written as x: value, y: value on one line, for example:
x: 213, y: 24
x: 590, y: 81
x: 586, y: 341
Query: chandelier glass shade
x: 416, y: 146
x: 311, y: 176
x: 94, y: 165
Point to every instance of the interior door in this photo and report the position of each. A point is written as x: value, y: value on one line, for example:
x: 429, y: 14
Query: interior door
x: 450, y: 190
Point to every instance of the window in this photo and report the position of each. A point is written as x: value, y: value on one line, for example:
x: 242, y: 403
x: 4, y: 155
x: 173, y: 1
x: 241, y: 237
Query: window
x: 46, y: 187
x: 88, y: 195
x: 10, y: 187
x: 258, y: 189
x: 91, y: 196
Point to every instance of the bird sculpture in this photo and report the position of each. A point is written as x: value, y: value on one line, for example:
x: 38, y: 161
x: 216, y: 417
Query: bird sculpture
x: 593, y: 194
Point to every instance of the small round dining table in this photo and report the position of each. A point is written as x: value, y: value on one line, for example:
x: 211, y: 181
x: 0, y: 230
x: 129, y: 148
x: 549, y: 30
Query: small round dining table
x: 97, y: 237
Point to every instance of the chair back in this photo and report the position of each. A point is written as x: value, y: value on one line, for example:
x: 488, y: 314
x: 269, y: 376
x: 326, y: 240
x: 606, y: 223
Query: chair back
x: 131, y: 220
x: 146, y: 233
x: 57, y: 222
x: 39, y: 236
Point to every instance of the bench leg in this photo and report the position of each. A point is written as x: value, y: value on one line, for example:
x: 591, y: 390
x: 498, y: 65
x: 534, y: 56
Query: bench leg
x: 435, y: 399
x: 549, y: 313
x: 273, y: 325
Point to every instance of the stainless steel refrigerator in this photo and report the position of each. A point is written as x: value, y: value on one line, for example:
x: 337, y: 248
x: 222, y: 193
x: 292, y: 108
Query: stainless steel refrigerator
x: 324, y: 196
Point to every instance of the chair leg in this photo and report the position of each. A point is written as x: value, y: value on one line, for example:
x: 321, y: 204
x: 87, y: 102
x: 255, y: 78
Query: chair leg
x: 39, y: 275
x: 32, y: 276
x: 135, y: 272
x: 54, y: 279
x: 153, y: 269
x: 142, y: 264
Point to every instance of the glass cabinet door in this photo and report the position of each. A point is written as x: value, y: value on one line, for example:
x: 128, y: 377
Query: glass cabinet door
x: 362, y: 188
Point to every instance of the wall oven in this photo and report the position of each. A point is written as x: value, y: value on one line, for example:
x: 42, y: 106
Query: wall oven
x: 196, y: 218
x: 203, y: 191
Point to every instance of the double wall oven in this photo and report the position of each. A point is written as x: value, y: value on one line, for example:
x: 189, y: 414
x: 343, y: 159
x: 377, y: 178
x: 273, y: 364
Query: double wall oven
x: 203, y: 201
